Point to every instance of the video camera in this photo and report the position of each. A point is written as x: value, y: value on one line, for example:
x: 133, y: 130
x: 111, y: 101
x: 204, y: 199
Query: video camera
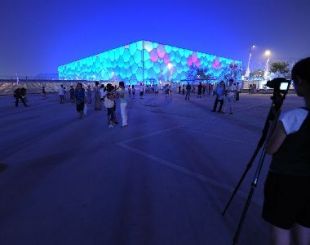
x: 279, y: 85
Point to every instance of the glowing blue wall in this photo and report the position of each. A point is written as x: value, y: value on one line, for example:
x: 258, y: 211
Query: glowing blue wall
x: 144, y: 60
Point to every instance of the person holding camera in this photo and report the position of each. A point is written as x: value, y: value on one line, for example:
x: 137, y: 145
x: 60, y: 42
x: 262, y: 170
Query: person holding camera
x: 287, y: 187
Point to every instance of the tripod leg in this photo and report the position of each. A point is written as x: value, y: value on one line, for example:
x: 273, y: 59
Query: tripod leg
x: 248, y: 201
x: 258, y: 147
x: 241, y: 179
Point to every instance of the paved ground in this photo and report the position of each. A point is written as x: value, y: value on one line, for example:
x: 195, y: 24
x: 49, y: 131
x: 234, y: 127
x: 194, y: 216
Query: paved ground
x: 163, y: 180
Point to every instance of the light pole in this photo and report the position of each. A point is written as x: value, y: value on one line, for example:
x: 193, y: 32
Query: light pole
x: 267, y: 54
x: 247, y: 72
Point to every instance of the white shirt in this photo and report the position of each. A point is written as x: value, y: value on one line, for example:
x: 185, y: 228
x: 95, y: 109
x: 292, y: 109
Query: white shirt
x: 232, y: 90
x: 61, y: 91
x: 102, y: 93
x: 292, y: 120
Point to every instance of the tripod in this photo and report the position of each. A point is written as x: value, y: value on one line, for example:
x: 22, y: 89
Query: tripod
x: 272, y: 118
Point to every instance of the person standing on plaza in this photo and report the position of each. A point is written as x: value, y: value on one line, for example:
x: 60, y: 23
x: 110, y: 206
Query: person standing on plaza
x: 123, y: 103
x: 61, y: 93
x: 211, y: 89
x: 199, y: 90
x: 102, y: 92
x: 109, y: 103
x: 133, y: 90
x: 20, y: 94
x: 219, y: 93
x: 141, y: 90
x: 98, y: 105
x: 65, y: 94
x: 72, y: 95
x: 204, y: 87
x: 231, y: 95
x: 188, y: 91
x: 287, y: 196
x: 238, y: 91
x: 43, y: 92
x: 89, y: 95
x: 80, y: 99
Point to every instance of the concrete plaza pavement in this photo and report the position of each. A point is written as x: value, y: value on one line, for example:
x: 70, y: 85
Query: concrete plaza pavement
x: 163, y: 180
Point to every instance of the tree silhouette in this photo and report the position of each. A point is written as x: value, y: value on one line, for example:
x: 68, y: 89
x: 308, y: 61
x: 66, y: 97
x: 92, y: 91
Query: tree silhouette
x: 279, y: 67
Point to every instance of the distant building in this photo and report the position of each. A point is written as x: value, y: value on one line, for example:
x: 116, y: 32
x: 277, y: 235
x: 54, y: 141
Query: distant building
x: 146, y: 61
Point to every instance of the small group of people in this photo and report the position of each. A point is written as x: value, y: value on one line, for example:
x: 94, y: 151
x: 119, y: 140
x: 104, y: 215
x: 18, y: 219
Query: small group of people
x: 106, y: 95
x: 202, y: 89
x: 252, y: 89
x: 230, y: 93
x: 112, y: 94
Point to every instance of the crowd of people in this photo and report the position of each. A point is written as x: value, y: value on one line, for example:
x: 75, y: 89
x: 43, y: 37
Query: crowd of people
x: 105, y: 96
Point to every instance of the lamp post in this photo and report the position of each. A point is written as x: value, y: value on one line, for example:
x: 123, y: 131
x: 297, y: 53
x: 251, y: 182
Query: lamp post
x: 247, y: 72
x: 267, y: 54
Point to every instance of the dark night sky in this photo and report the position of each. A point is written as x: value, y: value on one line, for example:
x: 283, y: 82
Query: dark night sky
x: 37, y: 36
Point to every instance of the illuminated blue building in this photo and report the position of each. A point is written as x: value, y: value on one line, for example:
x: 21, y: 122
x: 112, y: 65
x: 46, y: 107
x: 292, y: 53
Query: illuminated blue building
x: 149, y: 61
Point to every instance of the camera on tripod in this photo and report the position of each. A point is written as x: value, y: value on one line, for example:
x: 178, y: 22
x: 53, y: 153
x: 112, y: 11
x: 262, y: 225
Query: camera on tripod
x: 280, y: 88
x: 279, y: 85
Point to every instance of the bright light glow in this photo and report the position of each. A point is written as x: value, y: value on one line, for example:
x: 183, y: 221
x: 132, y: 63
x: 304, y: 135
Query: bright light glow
x: 170, y: 66
x: 267, y: 53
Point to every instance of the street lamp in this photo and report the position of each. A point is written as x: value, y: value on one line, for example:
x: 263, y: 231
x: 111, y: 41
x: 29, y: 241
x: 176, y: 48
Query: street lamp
x: 267, y: 54
x: 247, y: 72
